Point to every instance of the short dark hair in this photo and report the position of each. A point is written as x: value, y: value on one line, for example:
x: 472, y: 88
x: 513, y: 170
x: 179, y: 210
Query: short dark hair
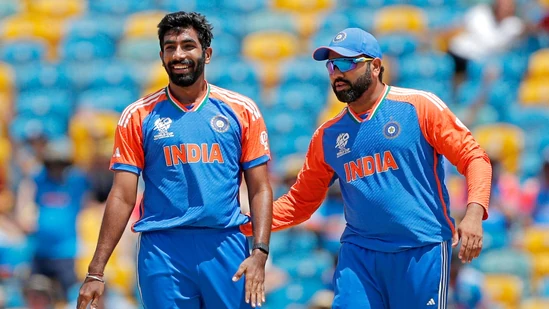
x: 183, y: 20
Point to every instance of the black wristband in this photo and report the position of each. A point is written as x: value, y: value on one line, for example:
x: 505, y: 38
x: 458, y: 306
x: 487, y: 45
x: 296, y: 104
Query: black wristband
x: 261, y: 246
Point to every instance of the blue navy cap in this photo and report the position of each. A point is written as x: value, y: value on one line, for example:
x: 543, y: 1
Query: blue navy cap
x: 351, y: 42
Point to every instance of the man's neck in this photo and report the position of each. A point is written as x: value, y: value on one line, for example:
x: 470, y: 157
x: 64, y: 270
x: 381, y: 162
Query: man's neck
x: 368, y: 99
x: 191, y: 94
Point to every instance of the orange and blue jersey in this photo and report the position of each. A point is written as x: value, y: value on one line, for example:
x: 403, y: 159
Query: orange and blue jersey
x: 191, y: 158
x: 389, y: 162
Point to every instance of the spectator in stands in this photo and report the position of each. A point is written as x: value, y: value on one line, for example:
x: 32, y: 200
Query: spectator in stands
x: 487, y: 30
x: 55, y: 195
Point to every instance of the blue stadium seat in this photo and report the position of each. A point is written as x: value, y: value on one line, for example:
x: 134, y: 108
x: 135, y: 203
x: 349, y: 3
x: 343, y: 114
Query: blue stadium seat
x: 91, y: 25
x: 432, y: 3
x: 308, y: 99
x: 305, y: 70
x: 228, y: 70
x: 431, y: 65
x: 368, y: 3
x: 103, y: 73
x: 226, y: 45
x: 107, y: 98
x: 40, y: 75
x: 189, y: 5
x: 57, y: 103
x: 87, y: 48
x: 227, y: 22
x: 22, y: 51
x: 468, y: 93
x: 503, y: 96
x: 120, y: 7
x: 443, y: 17
x: 334, y: 22
x: 269, y: 21
x: 22, y: 128
x: 248, y: 6
x: 10, y: 7
x: 505, y: 261
x: 144, y: 49
x: 398, y: 44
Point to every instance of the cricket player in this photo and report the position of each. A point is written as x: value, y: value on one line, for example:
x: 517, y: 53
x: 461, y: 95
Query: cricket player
x: 191, y: 142
x: 387, y: 148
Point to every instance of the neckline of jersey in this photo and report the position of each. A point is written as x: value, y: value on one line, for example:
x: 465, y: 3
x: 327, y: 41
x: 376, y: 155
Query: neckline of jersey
x: 182, y: 107
x: 372, y: 111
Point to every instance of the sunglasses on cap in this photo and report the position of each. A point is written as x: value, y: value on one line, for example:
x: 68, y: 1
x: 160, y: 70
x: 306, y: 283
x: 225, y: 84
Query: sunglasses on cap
x: 344, y: 64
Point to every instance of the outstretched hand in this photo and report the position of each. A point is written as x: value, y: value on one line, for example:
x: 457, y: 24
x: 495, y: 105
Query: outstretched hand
x: 253, y: 268
x: 470, y: 233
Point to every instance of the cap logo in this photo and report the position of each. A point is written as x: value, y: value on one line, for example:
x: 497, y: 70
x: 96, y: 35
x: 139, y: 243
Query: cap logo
x: 340, y: 37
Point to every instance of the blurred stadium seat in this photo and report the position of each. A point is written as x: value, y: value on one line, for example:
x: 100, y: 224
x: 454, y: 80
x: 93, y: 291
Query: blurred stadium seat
x: 23, y: 51
x: 45, y: 103
x: 93, y: 24
x: 536, y: 239
x: 83, y: 49
x: 270, y: 46
x: 534, y: 92
x: 535, y: 303
x: 144, y: 49
x: 37, y: 75
x: 120, y: 7
x: 143, y: 24
x: 10, y: 7
x: 7, y: 77
x: 504, y: 289
x: 400, y: 18
x: 56, y: 8
x: 303, y: 5
x: 538, y: 65
x: 502, y: 141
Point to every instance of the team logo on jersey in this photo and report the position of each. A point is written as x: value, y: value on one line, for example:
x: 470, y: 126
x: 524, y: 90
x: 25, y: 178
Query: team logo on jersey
x: 341, y: 143
x: 162, y: 125
x: 220, y: 123
x: 391, y: 129
x: 264, y: 140
x: 340, y: 37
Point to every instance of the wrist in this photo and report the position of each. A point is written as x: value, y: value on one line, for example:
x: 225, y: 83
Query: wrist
x: 475, y: 210
x: 262, y: 247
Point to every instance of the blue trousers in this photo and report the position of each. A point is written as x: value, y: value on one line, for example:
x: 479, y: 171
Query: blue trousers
x: 410, y: 279
x: 191, y: 268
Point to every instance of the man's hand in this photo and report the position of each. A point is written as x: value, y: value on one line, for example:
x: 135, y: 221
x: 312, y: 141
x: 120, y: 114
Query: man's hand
x: 254, y: 269
x: 470, y: 233
x: 90, y: 291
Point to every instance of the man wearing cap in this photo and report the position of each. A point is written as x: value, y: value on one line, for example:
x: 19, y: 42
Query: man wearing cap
x: 387, y: 148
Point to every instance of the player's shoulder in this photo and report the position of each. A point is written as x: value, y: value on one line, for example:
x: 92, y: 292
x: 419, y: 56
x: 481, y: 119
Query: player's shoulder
x: 238, y: 102
x: 416, y: 97
x: 141, y: 107
x: 330, y: 122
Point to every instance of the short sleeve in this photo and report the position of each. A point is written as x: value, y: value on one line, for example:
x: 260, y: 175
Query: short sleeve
x: 128, y: 152
x: 255, y: 140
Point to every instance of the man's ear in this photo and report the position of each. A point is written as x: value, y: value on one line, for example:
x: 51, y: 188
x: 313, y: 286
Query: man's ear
x: 208, y: 54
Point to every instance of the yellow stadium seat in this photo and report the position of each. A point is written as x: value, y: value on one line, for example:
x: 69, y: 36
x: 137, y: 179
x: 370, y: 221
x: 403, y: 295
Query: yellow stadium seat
x: 545, y: 3
x: 534, y: 91
x: 35, y: 26
x: 303, y: 5
x: 121, y: 270
x: 535, y: 303
x: 89, y: 131
x: 540, y: 266
x: 307, y: 24
x: 7, y: 77
x: 536, y: 239
x: 400, y: 18
x: 5, y: 151
x: 504, y: 289
x: 502, y: 141
x: 143, y: 24
x: 538, y: 64
x: 56, y: 8
x: 270, y: 46
x: 158, y: 78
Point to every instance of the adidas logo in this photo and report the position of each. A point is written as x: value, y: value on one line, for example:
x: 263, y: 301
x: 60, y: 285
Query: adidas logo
x: 431, y: 302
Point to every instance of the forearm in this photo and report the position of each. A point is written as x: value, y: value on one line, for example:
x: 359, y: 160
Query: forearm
x: 262, y: 215
x: 478, y: 175
x: 115, y: 220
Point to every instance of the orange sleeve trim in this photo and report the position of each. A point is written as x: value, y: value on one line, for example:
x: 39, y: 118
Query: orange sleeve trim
x: 441, y: 196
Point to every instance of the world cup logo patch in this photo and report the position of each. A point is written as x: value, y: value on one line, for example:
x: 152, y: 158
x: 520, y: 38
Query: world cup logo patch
x: 391, y: 129
x: 220, y: 123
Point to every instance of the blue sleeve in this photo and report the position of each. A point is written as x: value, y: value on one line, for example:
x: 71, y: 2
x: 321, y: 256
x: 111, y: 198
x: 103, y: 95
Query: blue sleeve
x: 255, y: 162
x: 126, y: 167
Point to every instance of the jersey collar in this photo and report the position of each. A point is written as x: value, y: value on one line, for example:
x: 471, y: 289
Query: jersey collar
x: 182, y: 106
x: 356, y: 117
